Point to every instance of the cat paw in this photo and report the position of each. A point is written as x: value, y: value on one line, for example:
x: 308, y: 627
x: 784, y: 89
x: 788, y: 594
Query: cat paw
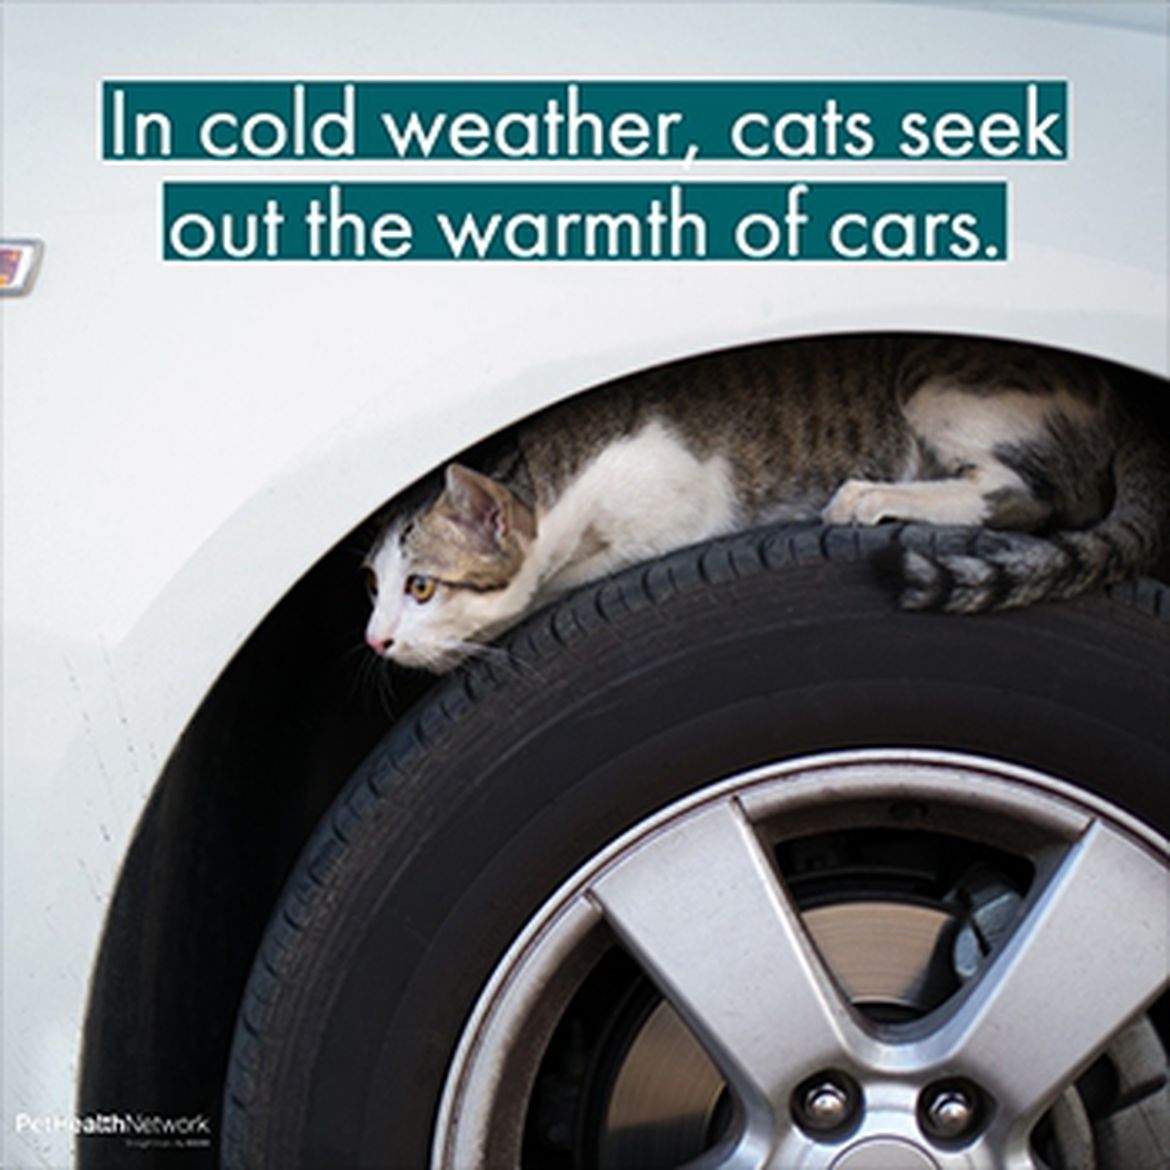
x: 859, y: 501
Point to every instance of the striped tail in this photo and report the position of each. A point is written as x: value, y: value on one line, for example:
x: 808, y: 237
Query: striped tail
x: 969, y: 570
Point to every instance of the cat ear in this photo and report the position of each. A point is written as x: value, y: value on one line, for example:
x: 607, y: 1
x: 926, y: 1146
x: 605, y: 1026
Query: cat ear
x: 486, y: 507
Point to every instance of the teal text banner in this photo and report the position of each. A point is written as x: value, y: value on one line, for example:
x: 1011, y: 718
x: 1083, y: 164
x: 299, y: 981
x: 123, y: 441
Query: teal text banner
x: 288, y: 120
x: 586, y: 221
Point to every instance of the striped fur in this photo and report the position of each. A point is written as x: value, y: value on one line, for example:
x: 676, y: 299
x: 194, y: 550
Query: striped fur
x: 985, y: 569
x: 1027, y: 459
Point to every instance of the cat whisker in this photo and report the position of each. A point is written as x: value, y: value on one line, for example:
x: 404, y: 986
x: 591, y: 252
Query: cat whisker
x: 360, y: 652
x: 477, y: 649
x: 373, y: 675
x: 361, y: 665
x: 470, y: 650
x: 384, y: 684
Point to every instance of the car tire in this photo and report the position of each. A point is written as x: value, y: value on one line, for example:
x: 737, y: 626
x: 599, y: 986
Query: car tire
x: 761, y: 651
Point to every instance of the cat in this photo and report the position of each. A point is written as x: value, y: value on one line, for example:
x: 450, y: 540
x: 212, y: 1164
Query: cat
x: 853, y: 430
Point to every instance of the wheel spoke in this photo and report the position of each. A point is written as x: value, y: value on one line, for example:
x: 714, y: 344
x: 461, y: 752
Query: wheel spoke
x: 702, y: 909
x: 1093, y: 951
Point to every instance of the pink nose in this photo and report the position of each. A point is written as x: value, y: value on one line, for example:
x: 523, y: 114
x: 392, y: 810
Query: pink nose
x: 378, y: 645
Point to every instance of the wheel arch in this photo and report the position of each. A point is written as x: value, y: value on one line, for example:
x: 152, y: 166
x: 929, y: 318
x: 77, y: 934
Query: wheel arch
x: 273, y: 738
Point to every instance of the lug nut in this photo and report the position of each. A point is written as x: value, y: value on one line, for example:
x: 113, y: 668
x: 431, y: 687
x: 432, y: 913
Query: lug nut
x: 950, y: 1112
x: 825, y: 1103
x: 826, y: 1106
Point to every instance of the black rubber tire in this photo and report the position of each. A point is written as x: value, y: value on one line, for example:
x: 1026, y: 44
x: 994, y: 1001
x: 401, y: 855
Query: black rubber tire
x: 609, y: 705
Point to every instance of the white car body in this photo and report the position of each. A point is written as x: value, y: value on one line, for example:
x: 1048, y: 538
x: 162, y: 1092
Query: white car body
x: 183, y: 441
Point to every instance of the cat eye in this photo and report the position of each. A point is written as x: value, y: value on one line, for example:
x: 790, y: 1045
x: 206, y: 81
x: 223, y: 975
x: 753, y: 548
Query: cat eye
x: 371, y: 583
x: 422, y: 589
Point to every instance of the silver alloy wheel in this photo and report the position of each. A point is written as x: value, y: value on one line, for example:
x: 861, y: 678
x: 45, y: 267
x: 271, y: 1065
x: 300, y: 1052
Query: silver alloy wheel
x: 695, y: 896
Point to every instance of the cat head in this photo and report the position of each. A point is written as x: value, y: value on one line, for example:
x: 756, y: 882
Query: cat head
x: 450, y: 576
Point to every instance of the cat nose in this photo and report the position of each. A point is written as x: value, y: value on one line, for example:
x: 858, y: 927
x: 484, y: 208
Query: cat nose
x: 378, y: 645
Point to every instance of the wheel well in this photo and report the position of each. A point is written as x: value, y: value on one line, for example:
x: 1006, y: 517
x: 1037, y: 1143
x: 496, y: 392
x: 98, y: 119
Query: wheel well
x: 287, y: 722
x: 281, y: 730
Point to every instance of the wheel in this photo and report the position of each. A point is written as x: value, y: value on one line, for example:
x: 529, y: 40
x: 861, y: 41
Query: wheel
x: 727, y: 862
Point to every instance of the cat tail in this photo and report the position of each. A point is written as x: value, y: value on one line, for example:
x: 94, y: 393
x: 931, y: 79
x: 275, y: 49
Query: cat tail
x: 971, y: 570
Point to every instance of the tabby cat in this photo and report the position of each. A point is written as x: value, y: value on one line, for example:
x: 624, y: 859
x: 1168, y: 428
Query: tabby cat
x: 851, y: 430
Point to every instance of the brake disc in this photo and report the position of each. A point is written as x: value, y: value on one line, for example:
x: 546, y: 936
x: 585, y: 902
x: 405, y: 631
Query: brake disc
x: 664, y: 1106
